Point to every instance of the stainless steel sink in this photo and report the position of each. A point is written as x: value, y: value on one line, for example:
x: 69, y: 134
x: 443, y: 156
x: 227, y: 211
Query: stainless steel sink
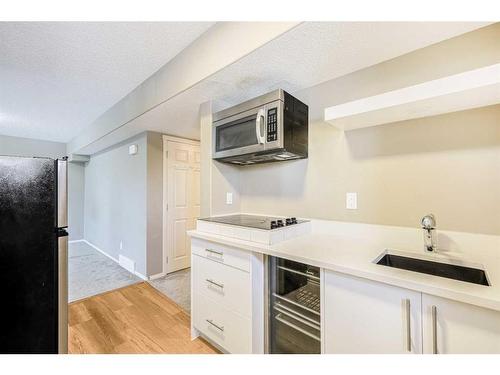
x: 449, y: 271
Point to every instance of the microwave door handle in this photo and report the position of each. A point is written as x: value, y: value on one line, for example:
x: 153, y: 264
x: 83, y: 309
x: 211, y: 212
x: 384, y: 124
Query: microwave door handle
x: 259, y: 122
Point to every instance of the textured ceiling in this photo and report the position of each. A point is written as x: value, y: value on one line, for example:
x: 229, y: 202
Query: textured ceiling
x: 315, y: 52
x: 57, y: 78
x: 307, y: 55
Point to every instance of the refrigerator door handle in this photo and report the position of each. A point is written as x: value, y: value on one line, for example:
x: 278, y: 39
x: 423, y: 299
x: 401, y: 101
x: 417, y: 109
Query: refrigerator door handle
x: 62, y: 193
x: 62, y: 234
x: 62, y: 291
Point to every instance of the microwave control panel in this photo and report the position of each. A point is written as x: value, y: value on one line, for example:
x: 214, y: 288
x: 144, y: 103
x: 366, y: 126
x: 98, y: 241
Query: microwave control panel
x: 272, y: 124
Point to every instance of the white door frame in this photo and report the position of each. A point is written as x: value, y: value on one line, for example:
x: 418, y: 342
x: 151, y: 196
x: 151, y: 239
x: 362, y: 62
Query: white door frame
x: 167, y: 138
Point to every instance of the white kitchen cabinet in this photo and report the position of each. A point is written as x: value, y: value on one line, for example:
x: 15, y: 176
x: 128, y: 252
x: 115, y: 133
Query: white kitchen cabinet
x: 227, y: 297
x: 227, y: 255
x: 227, y: 329
x: 358, y: 315
x: 227, y: 286
x: 459, y: 328
x: 364, y: 317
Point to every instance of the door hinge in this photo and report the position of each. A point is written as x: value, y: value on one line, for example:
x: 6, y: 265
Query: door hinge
x: 167, y: 206
x: 167, y: 259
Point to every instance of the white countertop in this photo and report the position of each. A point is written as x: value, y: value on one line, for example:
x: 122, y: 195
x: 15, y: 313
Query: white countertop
x: 355, y: 255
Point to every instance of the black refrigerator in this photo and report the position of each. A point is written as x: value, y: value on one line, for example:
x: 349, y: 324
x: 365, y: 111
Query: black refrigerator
x: 33, y: 255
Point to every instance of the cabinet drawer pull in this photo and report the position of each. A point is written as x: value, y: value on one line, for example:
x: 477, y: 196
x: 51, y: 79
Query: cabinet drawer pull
x: 408, y: 324
x: 214, y: 283
x: 220, y: 328
x: 211, y: 251
x: 434, y: 329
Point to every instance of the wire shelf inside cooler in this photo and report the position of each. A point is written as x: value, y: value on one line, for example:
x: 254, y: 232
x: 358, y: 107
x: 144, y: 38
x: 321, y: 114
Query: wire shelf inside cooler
x: 306, y: 296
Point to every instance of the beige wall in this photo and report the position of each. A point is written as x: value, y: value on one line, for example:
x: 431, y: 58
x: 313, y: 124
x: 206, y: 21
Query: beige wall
x: 154, y: 202
x: 217, y: 179
x: 447, y: 164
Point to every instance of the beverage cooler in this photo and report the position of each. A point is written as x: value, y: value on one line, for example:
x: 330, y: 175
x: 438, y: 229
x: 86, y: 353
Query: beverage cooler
x: 294, y: 319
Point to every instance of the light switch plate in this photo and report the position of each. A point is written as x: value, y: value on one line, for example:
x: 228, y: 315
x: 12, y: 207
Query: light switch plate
x: 229, y: 198
x: 351, y: 201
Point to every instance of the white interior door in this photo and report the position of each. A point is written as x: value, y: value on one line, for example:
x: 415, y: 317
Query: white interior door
x: 183, y: 200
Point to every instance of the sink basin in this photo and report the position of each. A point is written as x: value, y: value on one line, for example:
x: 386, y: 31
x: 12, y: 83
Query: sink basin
x: 450, y: 271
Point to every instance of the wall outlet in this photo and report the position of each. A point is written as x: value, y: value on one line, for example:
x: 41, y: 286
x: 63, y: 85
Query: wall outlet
x: 121, y: 245
x: 229, y: 198
x: 351, y: 201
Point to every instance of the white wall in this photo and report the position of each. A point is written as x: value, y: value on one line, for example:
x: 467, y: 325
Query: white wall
x: 14, y: 146
x: 76, y: 200
x: 124, y: 202
x: 115, y: 201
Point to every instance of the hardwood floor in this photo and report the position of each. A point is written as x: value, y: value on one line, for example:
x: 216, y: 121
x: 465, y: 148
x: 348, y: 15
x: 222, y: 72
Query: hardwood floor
x: 133, y: 319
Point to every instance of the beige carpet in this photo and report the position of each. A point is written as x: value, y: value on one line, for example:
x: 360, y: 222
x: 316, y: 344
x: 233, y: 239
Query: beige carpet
x: 91, y: 273
x: 177, y: 287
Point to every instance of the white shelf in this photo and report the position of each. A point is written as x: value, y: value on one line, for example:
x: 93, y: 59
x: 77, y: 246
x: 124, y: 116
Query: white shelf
x: 471, y: 89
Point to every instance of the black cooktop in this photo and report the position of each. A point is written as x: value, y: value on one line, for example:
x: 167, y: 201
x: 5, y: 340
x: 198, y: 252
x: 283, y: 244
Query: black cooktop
x: 251, y: 221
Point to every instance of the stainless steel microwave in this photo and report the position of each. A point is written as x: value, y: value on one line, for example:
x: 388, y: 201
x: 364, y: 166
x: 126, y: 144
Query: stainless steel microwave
x: 272, y: 127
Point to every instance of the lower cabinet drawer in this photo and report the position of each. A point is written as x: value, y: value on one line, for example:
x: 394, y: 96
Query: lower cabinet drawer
x: 230, y: 256
x: 228, y: 286
x: 227, y: 329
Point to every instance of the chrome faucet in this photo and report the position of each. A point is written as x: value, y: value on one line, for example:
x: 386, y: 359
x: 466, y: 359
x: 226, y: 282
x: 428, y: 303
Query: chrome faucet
x: 429, y: 226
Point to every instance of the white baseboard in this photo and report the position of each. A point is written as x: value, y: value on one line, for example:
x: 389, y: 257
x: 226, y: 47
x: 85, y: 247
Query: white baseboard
x: 141, y: 276
x: 138, y: 274
x: 157, y: 276
x: 127, y: 263
x: 103, y: 252
x: 75, y: 241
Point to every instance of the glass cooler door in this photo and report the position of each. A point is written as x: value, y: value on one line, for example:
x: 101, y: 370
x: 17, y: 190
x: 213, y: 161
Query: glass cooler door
x: 294, y: 308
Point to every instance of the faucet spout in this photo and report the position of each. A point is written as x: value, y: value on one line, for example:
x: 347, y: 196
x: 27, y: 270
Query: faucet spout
x: 429, y: 227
